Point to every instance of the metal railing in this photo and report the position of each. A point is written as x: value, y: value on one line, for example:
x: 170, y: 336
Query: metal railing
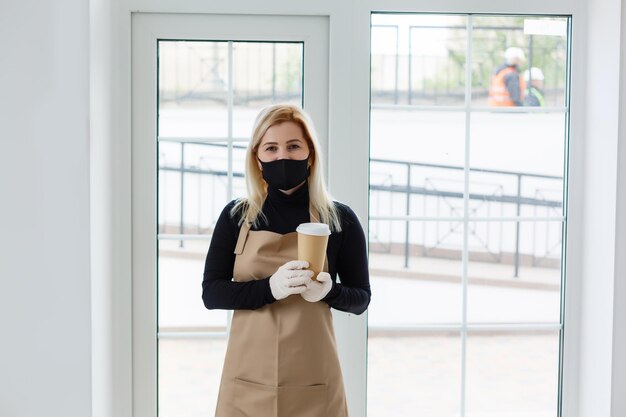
x: 408, y: 189
x: 517, y: 199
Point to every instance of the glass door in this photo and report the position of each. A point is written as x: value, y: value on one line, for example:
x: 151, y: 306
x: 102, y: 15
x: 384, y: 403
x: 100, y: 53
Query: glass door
x: 198, y: 83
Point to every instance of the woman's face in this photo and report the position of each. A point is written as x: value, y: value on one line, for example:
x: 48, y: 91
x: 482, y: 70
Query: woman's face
x: 283, y: 141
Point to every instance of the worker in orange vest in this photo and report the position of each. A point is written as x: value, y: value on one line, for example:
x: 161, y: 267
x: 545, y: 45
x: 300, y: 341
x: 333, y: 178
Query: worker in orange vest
x: 507, y: 83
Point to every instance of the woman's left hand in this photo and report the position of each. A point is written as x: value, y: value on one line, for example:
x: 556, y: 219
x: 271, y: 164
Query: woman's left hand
x: 316, y: 290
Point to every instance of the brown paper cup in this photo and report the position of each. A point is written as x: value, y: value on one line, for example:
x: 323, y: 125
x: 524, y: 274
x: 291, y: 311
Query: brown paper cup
x: 312, y: 242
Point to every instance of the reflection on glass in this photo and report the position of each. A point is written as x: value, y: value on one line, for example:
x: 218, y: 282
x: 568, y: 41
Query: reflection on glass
x: 420, y: 277
x: 189, y: 376
x: 543, y: 44
x: 416, y: 374
x: 514, y: 273
x: 516, y: 163
x: 419, y: 155
x: 512, y: 374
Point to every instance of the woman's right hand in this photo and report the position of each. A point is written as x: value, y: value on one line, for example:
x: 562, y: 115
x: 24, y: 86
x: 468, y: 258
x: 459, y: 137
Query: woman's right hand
x: 290, y: 279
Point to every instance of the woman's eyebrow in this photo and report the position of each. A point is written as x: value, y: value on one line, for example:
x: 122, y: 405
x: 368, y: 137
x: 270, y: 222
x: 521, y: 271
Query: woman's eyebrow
x: 276, y: 143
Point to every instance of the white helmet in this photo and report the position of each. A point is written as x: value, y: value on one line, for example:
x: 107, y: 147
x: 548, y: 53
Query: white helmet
x: 512, y: 54
x: 535, y: 73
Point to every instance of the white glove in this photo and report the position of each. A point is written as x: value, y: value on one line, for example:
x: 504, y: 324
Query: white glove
x: 316, y: 290
x: 290, y: 279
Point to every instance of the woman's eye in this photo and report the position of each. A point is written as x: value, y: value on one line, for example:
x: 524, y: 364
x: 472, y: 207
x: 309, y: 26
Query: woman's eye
x: 294, y: 146
x: 271, y: 148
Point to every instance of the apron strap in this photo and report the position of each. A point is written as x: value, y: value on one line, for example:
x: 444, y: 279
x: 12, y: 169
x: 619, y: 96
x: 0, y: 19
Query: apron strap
x: 245, y: 228
x: 243, y: 236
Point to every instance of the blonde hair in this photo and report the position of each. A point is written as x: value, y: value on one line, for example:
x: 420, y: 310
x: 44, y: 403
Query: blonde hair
x: 250, y: 208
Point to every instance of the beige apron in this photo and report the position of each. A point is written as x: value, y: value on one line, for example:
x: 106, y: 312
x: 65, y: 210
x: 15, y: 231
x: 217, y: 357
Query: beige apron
x: 281, y: 359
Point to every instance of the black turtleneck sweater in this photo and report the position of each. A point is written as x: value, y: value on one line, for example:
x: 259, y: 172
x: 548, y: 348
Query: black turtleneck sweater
x: 346, y: 255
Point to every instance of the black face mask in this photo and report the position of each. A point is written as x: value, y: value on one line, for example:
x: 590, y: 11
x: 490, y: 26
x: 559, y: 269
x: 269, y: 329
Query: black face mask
x: 285, y: 174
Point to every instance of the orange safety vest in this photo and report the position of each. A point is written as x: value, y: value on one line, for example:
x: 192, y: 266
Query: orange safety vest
x: 499, y: 94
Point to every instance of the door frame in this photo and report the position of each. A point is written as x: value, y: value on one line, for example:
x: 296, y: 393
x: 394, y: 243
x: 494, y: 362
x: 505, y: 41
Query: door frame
x: 147, y: 29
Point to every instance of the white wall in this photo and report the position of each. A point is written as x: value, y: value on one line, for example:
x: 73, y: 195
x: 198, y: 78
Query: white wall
x: 599, y: 206
x: 45, y: 357
x: 618, y: 407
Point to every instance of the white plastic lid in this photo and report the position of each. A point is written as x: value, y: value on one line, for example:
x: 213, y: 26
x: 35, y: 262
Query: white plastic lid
x: 315, y: 229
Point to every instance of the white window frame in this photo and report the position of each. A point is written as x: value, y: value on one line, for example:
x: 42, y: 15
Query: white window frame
x: 592, y: 197
x: 147, y: 29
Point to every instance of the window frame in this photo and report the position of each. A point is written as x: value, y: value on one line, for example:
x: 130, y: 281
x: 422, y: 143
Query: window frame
x: 466, y: 328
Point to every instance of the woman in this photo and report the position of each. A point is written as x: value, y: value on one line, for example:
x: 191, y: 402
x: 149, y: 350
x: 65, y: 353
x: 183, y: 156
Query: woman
x: 281, y: 358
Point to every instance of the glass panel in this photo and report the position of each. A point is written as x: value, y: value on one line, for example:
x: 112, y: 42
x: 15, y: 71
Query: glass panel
x: 388, y: 67
x: 418, y: 282
x: 419, y: 154
x: 517, y: 164
x: 205, y: 181
x: 514, y: 273
x: 538, y: 42
x: 169, y: 187
x: 264, y: 73
x: 193, y: 188
x: 193, y: 86
x: 418, y: 59
x: 437, y: 60
x: 189, y: 376
x: 510, y: 375
x: 413, y: 374
x: 239, y: 164
x: 181, y: 267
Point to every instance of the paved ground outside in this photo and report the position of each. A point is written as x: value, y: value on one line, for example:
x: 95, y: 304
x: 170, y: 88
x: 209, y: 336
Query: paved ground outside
x: 507, y: 375
x: 416, y: 374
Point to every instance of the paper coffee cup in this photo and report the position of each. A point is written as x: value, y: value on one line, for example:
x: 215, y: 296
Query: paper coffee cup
x: 312, y: 242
